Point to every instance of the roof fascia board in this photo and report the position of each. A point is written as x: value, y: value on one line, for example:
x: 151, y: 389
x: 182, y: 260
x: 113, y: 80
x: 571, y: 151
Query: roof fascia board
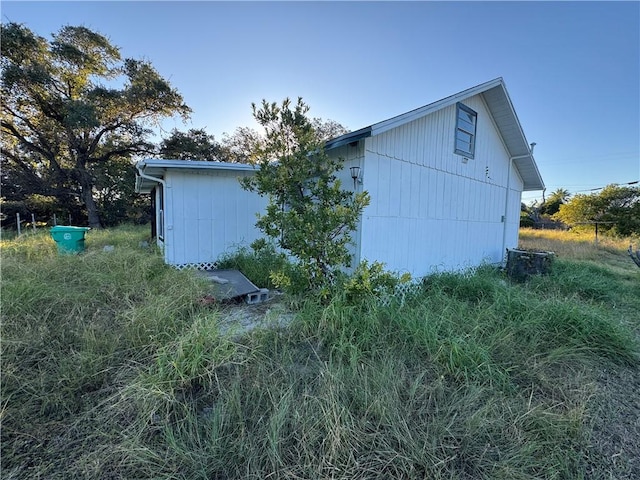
x: 512, y: 110
x: 193, y: 165
x: 394, y: 122
x: 348, y: 138
x: 506, y: 149
x: 515, y: 115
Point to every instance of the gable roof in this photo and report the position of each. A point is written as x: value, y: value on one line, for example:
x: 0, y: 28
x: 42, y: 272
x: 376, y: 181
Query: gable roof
x: 151, y: 171
x: 494, y: 93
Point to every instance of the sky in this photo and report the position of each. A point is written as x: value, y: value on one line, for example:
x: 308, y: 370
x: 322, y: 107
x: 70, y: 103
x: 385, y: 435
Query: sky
x: 572, y: 69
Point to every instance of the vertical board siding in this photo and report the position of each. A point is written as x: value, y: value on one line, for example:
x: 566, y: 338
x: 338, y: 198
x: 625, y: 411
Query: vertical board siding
x: 352, y: 156
x: 211, y: 215
x: 429, y: 209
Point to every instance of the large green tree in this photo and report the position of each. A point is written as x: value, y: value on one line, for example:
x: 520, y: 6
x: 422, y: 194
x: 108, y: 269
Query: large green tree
x: 309, y: 213
x: 195, y: 144
x: 71, y: 106
x: 617, y: 207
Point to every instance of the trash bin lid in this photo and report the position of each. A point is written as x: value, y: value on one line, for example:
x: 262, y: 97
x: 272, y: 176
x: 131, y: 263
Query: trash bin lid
x: 68, y: 228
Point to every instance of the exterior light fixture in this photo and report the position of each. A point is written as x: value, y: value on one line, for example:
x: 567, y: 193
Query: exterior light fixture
x: 355, y: 174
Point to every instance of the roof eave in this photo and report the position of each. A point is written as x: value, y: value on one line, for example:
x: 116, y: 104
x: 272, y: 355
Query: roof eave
x: 348, y: 138
x: 157, y: 167
x: 192, y: 165
x: 529, y: 173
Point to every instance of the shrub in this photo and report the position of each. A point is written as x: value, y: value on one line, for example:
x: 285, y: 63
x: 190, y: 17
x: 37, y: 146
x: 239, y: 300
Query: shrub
x: 265, y: 266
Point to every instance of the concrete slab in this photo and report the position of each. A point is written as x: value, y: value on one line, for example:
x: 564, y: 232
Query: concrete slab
x: 229, y: 284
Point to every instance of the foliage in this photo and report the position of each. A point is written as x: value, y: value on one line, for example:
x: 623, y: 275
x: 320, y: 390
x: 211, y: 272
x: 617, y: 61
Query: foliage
x: 618, y: 208
x: 264, y: 266
x: 556, y: 199
x: 241, y: 146
x: 113, y: 369
x: 525, y: 220
x: 309, y: 214
x: 327, y: 129
x: 115, y: 195
x: 195, y: 144
x: 72, y: 106
x: 370, y: 281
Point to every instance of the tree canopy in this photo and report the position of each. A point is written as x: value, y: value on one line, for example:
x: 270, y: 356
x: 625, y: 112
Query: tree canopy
x: 618, y: 206
x: 239, y: 147
x: 72, y: 108
x: 552, y: 204
x: 195, y: 144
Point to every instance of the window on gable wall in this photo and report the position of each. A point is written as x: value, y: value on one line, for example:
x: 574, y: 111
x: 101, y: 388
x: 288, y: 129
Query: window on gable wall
x: 466, y: 120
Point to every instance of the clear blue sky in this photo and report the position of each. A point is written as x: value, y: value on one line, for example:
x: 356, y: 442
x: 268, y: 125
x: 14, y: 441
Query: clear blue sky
x: 572, y: 69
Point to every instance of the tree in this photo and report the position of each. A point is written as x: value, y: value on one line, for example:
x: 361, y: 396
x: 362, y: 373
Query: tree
x: 114, y: 193
x: 72, y: 104
x: 526, y: 220
x: 196, y: 144
x: 552, y: 205
x: 328, y: 129
x: 309, y: 214
x: 615, y: 204
x: 240, y: 146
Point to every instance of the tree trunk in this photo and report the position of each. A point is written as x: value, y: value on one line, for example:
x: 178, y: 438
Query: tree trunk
x: 86, y: 186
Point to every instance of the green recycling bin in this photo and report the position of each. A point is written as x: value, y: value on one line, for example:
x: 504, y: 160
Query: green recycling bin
x: 70, y: 240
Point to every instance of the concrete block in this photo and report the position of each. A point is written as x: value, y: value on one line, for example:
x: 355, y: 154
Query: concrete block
x: 260, y: 296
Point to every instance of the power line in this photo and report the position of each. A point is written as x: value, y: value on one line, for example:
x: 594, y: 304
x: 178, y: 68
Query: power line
x: 536, y: 197
x: 600, y: 188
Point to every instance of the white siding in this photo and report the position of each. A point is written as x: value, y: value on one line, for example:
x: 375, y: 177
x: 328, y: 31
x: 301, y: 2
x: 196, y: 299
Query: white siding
x: 351, y: 156
x: 430, y: 210
x: 513, y: 211
x: 208, y: 214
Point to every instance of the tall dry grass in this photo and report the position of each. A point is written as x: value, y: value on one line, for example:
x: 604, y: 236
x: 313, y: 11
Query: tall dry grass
x: 582, y: 247
x: 113, y: 369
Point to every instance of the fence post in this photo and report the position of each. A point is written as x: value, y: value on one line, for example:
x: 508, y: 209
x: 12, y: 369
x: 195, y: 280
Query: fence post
x: 55, y: 220
x: 69, y: 219
x: 18, y: 222
x: 33, y: 222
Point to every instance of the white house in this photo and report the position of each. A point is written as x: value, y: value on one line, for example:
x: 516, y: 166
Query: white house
x: 200, y: 210
x: 445, y: 182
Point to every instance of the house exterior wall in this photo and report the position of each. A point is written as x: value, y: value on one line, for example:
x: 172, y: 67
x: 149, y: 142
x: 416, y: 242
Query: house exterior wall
x: 351, y: 156
x: 206, y: 215
x: 430, y: 210
x: 512, y: 228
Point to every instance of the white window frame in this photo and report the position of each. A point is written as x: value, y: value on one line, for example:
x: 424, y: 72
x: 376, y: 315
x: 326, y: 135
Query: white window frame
x: 465, y: 131
x: 160, y: 212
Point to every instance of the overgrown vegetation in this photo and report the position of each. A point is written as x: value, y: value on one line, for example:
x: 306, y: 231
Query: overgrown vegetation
x: 113, y: 369
x: 616, y: 207
x: 265, y: 266
x: 309, y: 214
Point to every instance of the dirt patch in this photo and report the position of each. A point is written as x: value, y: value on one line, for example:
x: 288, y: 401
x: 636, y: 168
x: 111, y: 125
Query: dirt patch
x: 240, y: 318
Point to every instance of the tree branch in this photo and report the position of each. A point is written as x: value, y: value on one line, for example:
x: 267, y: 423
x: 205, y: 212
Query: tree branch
x: 13, y: 131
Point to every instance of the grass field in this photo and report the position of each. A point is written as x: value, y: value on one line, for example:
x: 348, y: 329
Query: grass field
x: 112, y: 368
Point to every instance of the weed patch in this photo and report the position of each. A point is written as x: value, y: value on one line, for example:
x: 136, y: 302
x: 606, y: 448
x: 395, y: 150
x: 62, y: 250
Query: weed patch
x: 113, y: 369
